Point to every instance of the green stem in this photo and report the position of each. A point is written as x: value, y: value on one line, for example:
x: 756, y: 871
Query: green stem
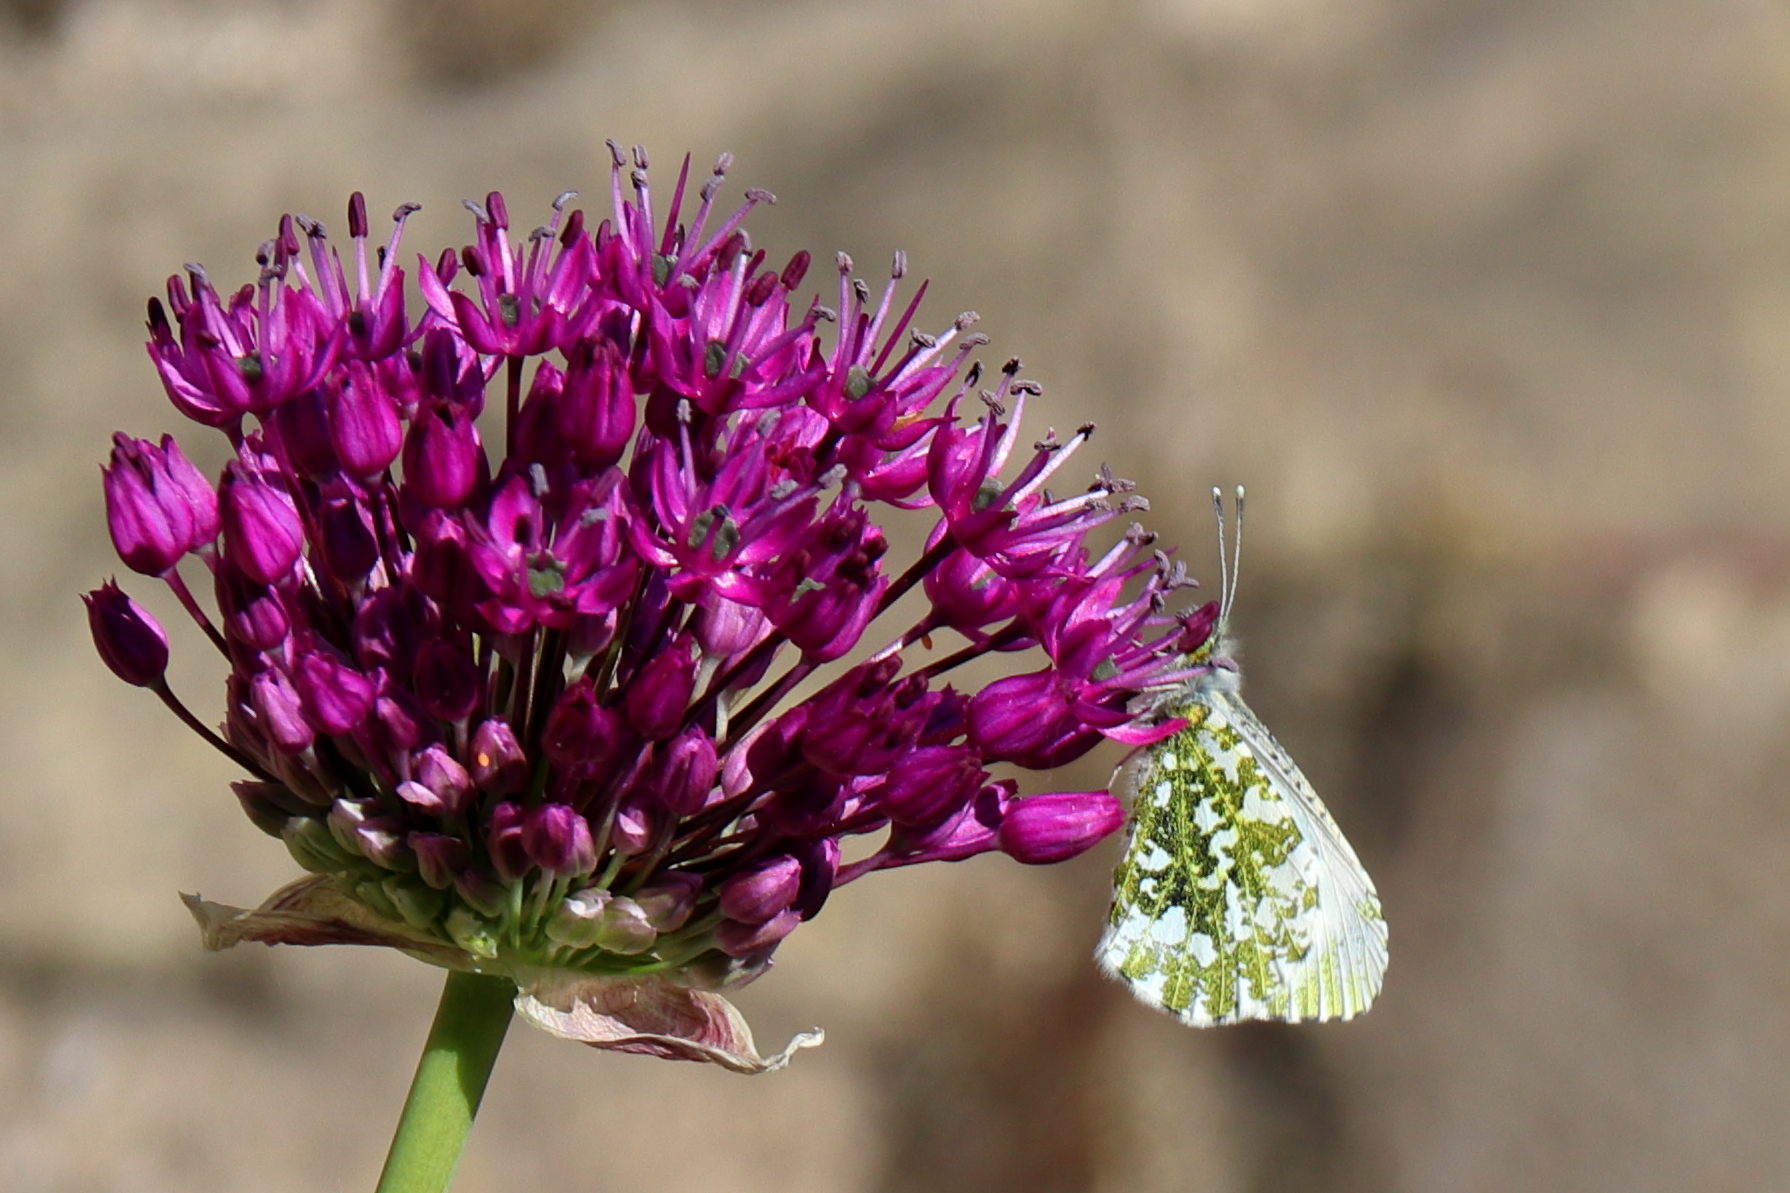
x: 450, y: 1079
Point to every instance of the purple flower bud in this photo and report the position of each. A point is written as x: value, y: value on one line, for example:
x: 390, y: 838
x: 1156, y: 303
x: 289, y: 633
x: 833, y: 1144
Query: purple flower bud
x: 738, y: 939
x: 337, y: 698
x: 930, y: 783
x: 967, y: 594
x: 439, y: 859
x: 1042, y: 829
x: 281, y: 712
x: 498, y: 763
x: 348, y: 546
x: 972, y: 831
x: 262, y: 531
x: 253, y: 614
x: 399, y: 723
x: 158, y: 506
x: 447, y: 682
x: 657, y: 698
x: 596, y: 405
x: 762, y: 892
x: 440, y: 785
x: 558, y: 840
x: 298, y: 433
x: 443, y: 461
x: 581, y: 733
x: 1030, y: 720
x: 126, y: 636
x: 820, y: 865
x: 389, y: 628
x: 503, y: 840
x: 727, y: 628
x: 687, y: 767
x: 669, y: 899
x: 363, y: 424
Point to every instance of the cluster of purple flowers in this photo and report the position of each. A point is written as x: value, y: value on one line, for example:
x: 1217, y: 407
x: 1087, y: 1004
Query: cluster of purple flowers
x: 545, y: 713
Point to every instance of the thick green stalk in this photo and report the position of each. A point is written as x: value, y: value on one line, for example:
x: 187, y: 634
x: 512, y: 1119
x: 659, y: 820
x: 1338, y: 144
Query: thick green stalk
x: 450, y: 1079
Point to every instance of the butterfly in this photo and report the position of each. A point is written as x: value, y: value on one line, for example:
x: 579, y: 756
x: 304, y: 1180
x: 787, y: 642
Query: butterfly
x: 1238, y: 897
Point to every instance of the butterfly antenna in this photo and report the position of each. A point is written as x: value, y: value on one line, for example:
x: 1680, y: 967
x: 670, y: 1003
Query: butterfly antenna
x: 1230, y: 597
x: 1224, y: 562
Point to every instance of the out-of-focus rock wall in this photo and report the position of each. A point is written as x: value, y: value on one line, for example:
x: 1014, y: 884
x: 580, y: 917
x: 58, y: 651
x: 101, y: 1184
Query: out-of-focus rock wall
x: 1487, y: 302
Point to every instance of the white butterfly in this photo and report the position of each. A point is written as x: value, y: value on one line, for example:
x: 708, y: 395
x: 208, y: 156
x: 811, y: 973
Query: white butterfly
x: 1238, y: 897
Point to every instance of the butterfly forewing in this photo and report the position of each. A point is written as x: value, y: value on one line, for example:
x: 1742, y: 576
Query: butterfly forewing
x: 1238, y: 897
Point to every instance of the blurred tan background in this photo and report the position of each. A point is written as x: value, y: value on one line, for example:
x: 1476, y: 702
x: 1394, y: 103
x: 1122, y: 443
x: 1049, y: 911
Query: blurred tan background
x: 1486, y: 300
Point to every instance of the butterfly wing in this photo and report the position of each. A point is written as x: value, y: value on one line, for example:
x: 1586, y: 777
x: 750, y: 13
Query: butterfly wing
x: 1238, y: 897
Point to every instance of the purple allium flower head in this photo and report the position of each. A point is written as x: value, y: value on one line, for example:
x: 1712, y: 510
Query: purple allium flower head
x: 534, y: 708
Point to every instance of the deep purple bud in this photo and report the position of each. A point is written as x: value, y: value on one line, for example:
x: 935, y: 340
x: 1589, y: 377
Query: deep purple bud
x: 127, y: 637
x: 498, y: 762
x: 442, y: 457
x: 158, y: 506
x: 930, y: 783
x: 336, y: 696
x: 970, y: 832
x: 298, y: 431
x: 558, y: 840
x: 761, y: 893
x: 440, y: 859
x: 1029, y: 719
x: 349, y: 548
x: 687, y: 768
x: 503, y: 840
x: 363, y: 424
x: 660, y: 692
x: 669, y: 899
x: 262, y: 531
x: 447, y: 682
x: 967, y: 594
x: 726, y: 628
x: 253, y: 614
x: 399, y: 722
x: 596, y: 406
x: 820, y: 865
x: 1042, y: 829
x: 442, y: 775
x: 390, y: 626
x: 738, y: 939
x: 281, y: 712
x: 580, y: 732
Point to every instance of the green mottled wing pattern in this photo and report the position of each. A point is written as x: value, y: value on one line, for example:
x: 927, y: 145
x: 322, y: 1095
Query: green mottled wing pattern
x: 1238, y: 897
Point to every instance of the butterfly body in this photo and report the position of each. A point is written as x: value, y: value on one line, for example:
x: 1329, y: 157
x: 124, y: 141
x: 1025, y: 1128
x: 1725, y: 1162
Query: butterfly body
x: 1238, y: 897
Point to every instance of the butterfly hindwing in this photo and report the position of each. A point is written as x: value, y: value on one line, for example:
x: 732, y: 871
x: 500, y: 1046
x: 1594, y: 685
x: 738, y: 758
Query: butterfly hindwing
x: 1238, y: 897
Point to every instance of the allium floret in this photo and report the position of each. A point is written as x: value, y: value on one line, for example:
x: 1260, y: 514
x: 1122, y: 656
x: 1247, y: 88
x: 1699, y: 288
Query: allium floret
x: 521, y: 691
